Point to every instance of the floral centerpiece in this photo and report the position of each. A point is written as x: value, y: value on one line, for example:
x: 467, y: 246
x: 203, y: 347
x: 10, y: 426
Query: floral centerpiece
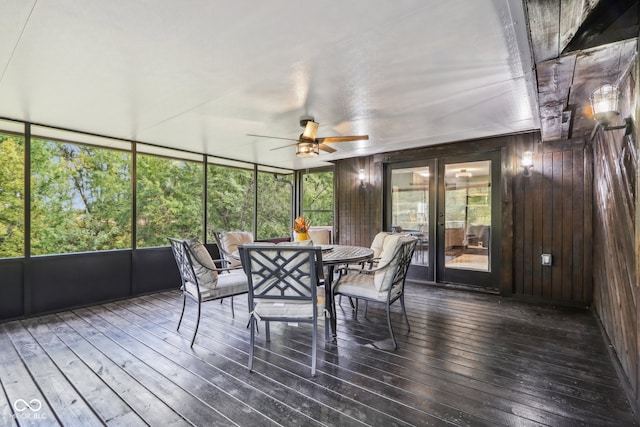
x: 301, y: 226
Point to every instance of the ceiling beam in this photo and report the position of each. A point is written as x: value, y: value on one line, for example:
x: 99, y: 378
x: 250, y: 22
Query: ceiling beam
x: 610, y: 21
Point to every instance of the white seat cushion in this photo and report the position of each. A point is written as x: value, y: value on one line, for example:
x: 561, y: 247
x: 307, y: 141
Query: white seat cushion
x: 320, y: 236
x: 230, y: 240
x: 297, y: 243
x: 203, y: 265
x: 298, y: 310
x: 378, y: 242
x: 360, y: 285
x: 232, y: 283
x: 384, y: 276
x: 273, y: 308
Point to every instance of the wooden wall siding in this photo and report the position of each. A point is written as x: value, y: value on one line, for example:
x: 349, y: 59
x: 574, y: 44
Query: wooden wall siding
x: 551, y: 216
x: 549, y: 212
x: 615, y: 256
x: 358, y: 209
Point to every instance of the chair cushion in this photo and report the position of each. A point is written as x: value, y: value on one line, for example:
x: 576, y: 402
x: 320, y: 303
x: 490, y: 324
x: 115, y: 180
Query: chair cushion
x: 359, y: 285
x: 378, y: 242
x: 203, y: 265
x: 320, y: 236
x: 230, y: 241
x: 384, y: 277
x: 289, y: 309
x: 297, y: 243
x: 298, y: 310
x: 232, y: 283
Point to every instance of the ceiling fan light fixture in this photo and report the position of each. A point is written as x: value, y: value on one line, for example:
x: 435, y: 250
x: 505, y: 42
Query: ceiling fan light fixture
x: 464, y: 174
x: 310, y: 130
x: 307, y: 149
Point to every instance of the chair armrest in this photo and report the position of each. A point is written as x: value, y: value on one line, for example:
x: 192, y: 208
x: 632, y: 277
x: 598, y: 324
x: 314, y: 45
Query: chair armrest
x: 223, y: 269
x: 223, y: 261
x: 357, y: 270
x: 218, y: 269
x: 229, y: 269
x: 371, y: 262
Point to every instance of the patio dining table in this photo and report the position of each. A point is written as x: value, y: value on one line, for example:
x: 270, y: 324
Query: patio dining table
x: 332, y: 256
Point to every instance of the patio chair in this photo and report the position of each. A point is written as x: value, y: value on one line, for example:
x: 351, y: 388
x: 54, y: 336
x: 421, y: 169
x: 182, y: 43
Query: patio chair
x: 228, y: 242
x: 283, y: 287
x: 383, y: 283
x: 376, y: 245
x: 320, y: 236
x: 201, y: 280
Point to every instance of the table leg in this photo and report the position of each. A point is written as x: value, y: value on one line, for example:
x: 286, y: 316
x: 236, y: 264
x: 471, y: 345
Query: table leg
x: 330, y: 304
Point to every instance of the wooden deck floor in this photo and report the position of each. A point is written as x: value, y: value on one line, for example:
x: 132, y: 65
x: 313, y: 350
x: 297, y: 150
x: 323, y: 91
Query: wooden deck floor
x: 470, y: 359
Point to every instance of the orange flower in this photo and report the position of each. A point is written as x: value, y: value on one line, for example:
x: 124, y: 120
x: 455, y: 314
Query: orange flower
x: 301, y: 225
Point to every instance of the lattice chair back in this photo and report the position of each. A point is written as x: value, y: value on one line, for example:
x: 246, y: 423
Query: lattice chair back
x: 405, y: 254
x: 185, y: 268
x: 283, y: 286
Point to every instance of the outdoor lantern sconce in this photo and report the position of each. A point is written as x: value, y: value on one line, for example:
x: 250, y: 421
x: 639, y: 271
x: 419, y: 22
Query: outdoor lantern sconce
x: 362, y: 176
x: 527, y: 163
x: 604, y: 104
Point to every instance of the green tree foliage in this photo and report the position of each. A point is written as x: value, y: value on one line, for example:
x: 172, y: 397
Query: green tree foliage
x: 230, y: 199
x: 469, y: 205
x: 81, y: 198
x: 168, y: 200
x: 274, y: 206
x: 317, y: 194
x: 11, y: 196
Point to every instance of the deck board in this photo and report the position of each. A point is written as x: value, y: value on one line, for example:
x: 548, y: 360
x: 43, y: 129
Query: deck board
x: 470, y: 360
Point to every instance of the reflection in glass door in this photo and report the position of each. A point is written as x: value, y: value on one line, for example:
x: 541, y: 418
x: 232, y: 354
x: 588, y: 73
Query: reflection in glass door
x: 452, y: 205
x: 411, y: 204
x: 468, y: 246
x: 467, y: 211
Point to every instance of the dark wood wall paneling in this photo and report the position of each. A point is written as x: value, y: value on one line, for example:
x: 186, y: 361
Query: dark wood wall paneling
x: 552, y: 214
x: 615, y: 241
x: 549, y: 212
x: 358, y: 208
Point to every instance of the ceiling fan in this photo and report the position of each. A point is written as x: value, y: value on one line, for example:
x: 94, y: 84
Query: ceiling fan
x: 307, y: 145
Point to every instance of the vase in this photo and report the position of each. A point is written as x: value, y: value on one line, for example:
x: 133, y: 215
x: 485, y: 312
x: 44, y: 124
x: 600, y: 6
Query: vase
x: 300, y: 237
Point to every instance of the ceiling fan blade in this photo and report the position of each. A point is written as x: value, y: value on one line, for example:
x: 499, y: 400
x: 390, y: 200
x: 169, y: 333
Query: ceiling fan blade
x: 284, y: 146
x: 343, y: 138
x: 310, y: 130
x: 272, y: 137
x: 328, y: 149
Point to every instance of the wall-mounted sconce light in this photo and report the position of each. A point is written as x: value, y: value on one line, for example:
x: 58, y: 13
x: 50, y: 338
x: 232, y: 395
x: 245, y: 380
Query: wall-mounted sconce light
x: 604, y: 104
x: 527, y: 163
x: 362, y: 176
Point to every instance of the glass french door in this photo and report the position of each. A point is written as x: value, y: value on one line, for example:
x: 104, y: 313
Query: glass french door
x: 452, y: 205
x: 412, y: 210
x: 467, y: 219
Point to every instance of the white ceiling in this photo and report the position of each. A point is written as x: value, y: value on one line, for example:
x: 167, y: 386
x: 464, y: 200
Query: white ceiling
x: 200, y: 74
